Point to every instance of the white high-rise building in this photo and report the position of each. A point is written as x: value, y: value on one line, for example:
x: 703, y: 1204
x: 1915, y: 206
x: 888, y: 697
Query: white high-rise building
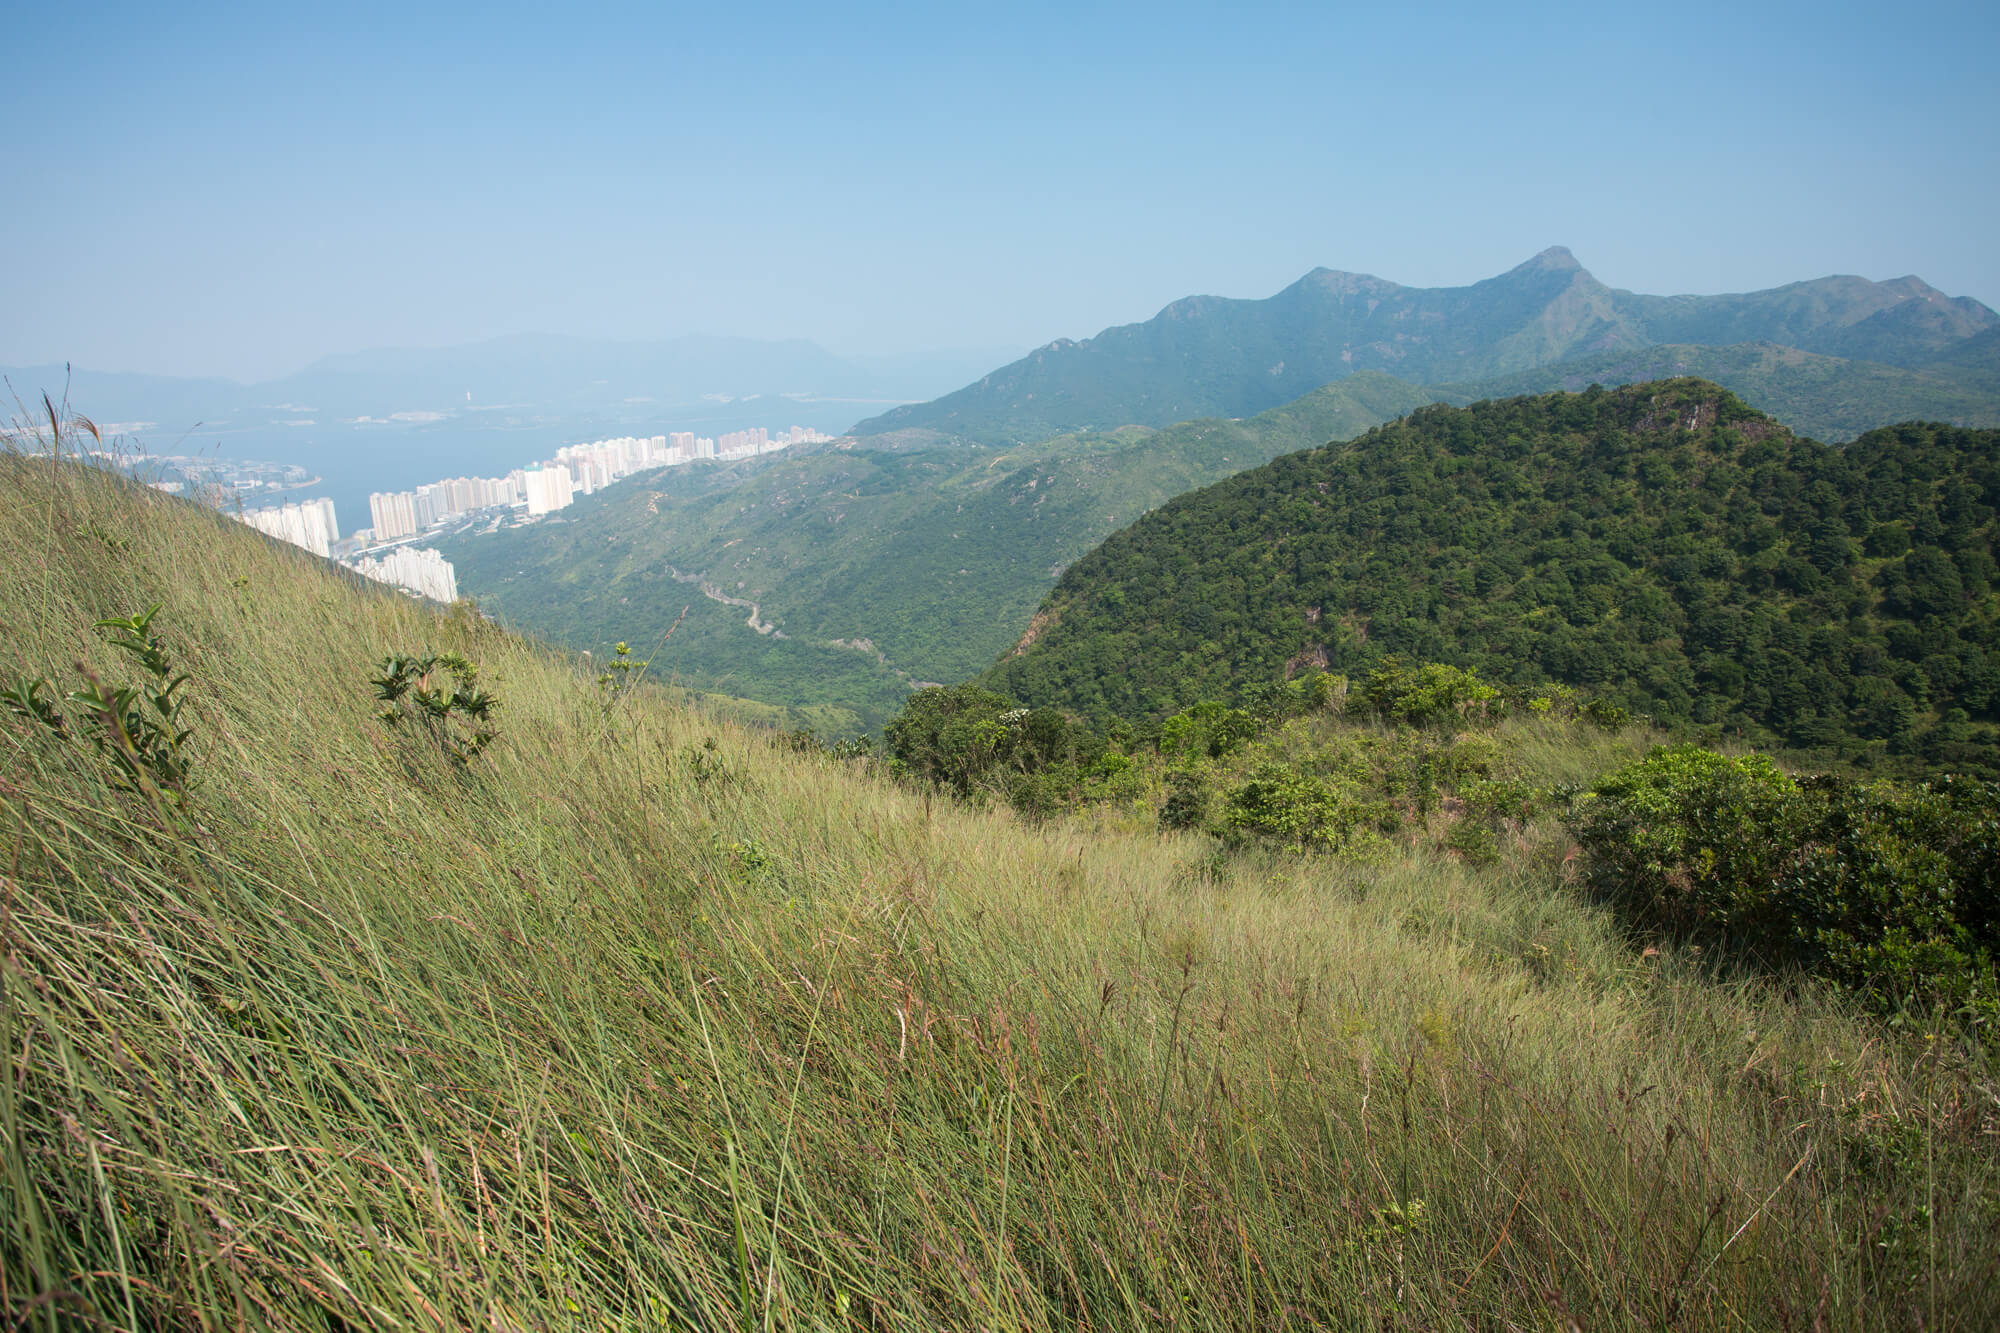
x: 547, y: 489
x: 393, y: 514
x: 418, y: 569
x: 309, y: 524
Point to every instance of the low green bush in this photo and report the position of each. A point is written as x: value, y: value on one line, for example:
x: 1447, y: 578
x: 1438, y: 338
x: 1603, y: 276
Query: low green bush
x: 137, y: 729
x: 972, y: 740
x: 1895, y: 889
x: 1281, y: 804
x: 1432, y: 694
x: 1209, y: 728
x: 1888, y: 889
x: 1189, y: 800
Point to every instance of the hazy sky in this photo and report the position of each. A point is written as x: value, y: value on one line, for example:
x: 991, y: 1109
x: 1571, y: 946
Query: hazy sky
x: 200, y: 190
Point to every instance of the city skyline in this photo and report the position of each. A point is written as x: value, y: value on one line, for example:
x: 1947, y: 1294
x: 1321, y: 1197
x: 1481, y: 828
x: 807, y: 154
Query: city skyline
x: 398, y: 518
x: 551, y: 484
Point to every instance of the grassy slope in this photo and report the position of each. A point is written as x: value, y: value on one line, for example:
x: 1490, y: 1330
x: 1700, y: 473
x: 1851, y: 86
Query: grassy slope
x: 619, y: 1030
x: 935, y: 557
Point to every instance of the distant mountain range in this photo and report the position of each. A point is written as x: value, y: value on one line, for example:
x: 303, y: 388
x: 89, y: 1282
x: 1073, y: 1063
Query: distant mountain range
x: 936, y: 560
x: 394, y: 418
x: 1898, y: 349
x: 538, y: 374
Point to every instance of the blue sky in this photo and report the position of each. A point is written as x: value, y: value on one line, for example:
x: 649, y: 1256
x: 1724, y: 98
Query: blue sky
x: 237, y: 191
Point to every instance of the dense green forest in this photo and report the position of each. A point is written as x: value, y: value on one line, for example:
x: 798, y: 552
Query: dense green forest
x: 1661, y: 545
x: 871, y: 568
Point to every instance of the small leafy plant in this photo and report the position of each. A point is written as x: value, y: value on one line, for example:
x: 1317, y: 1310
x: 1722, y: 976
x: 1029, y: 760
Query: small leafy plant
x: 136, y: 728
x: 438, y: 695
x: 616, y: 680
x: 24, y: 699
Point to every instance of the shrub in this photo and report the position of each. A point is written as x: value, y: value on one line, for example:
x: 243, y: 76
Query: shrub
x: 1282, y: 804
x: 1693, y: 841
x: 1890, y: 890
x: 948, y: 735
x: 1605, y: 714
x: 1325, y: 692
x: 1041, y: 794
x: 1894, y: 893
x: 1188, y: 802
x: 1500, y: 798
x: 971, y: 740
x: 438, y: 695
x: 853, y: 747
x: 1209, y: 728
x: 1472, y: 838
x: 135, y: 728
x: 1429, y: 695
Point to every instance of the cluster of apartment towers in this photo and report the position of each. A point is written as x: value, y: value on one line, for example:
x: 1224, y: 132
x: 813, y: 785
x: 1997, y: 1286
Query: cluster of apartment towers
x: 577, y: 469
x: 311, y: 524
x: 540, y: 488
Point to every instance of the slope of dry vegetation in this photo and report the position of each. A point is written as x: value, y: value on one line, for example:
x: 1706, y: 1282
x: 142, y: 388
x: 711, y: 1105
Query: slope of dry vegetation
x: 639, y: 1020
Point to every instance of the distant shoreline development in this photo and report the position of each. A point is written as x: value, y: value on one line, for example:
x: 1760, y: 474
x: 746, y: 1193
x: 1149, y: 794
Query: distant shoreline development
x: 383, y: 551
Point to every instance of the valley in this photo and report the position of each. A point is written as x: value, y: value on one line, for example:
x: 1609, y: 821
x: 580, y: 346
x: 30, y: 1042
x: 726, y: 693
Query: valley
x: 934, y: 554
x: 933, y: 532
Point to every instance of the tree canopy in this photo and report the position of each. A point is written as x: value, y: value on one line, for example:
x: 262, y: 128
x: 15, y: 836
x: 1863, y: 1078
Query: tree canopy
x: 1662, y: 546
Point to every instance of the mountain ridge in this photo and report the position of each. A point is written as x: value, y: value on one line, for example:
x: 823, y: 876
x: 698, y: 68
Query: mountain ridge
x: 1231, y: 357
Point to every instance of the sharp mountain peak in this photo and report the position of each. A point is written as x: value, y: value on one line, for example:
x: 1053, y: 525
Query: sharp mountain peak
x: 1555, y: 258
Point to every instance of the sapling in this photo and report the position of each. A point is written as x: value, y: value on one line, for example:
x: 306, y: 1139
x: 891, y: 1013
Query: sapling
x: 451, y: 709
x: 136, y: 728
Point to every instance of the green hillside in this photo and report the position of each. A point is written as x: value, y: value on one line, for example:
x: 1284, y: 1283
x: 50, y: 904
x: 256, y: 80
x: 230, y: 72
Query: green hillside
x: 1822, y: 396
x: 1902, y: 322
x: 869, y: 568
x: 828, y: 585
x: 626, y: 1017
x: 1207, y: 356
x: 1660, y: 544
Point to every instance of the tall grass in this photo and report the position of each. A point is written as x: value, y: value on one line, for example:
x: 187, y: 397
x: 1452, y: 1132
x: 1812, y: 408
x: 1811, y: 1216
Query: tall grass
x: 644, y: 1021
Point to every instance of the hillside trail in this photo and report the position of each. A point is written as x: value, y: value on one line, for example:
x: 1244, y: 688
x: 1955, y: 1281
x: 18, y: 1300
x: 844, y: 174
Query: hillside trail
x: 757, y: 623
x: 715, y: 594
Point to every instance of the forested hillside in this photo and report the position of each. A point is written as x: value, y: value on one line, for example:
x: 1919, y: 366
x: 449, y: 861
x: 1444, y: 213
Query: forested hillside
x: 867, y: 568
x: 1826, y: 397
x: 1662, y: 545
